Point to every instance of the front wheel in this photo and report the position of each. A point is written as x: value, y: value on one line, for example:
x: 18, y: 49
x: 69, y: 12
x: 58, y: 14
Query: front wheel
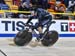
x: 50, y: 38
x: 23, y: 38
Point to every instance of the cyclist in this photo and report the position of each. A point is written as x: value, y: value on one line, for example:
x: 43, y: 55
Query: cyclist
x: 43, y: 18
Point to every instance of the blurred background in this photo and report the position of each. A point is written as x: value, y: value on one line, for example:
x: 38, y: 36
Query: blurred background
x: 62, y: 9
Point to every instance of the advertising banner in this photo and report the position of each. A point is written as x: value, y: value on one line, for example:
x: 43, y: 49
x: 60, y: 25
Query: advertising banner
x: 9, y: 27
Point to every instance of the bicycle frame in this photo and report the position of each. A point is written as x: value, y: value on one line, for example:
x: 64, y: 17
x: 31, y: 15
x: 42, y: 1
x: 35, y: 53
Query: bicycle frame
x: 46, y: 30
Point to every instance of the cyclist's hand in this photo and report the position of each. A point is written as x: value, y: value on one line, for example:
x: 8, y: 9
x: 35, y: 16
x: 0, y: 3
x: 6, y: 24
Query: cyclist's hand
x: 53, y: 22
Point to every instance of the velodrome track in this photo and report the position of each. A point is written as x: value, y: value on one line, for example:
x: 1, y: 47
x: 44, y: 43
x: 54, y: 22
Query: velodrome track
x: 63, y: 47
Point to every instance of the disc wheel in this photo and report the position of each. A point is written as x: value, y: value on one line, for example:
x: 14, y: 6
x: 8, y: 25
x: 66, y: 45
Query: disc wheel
x: 50, y: 38
x: 23, y: 38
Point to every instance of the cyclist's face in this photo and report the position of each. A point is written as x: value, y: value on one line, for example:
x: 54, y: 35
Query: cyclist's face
x: 35, y: 13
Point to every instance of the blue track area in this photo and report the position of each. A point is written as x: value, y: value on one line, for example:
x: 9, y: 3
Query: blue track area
x: 60, y: 35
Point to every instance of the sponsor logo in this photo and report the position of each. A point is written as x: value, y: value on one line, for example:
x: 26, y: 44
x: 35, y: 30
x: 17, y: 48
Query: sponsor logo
x: 19, y: 25
x: 65, y: 26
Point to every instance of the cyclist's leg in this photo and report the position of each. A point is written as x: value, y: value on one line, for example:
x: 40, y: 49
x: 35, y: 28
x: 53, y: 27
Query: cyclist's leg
x: 40, y: 29
x: 40, y: 25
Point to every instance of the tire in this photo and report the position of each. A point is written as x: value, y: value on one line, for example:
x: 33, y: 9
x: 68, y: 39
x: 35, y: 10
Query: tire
x: 50, y: 38
x: 23, y: 38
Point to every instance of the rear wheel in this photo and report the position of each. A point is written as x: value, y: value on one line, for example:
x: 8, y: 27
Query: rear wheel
x: 23, y: 38
x: 50, y: 38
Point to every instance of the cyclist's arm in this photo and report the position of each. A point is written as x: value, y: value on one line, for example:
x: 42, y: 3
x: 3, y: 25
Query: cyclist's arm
x: 29, y: 19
